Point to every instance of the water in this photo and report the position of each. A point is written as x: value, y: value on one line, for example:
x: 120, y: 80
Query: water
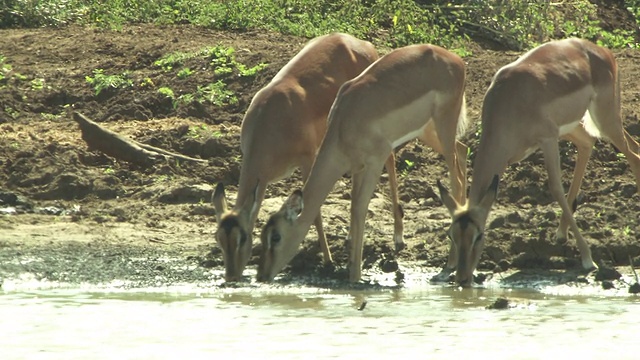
x: 421, y: 321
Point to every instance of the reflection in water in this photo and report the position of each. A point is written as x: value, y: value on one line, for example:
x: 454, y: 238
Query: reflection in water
x: 426, y: 322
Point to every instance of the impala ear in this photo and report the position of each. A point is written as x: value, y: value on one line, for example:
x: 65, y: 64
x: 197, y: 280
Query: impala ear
x: 219, y: 201
x: 447, y: 199
x: 491, y: 194
x: 293, y: 206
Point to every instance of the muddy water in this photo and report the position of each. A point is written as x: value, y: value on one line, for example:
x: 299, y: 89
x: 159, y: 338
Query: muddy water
x: 416, y: 321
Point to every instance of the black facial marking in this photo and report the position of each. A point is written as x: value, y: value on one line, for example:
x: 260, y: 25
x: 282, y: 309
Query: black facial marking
x: 219, y: 188
x: 270, y: 222
x: 465, y: 220
x: 229, y: 223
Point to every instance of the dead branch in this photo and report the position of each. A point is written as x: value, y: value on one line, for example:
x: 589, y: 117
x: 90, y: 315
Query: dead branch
x: 119, y: 147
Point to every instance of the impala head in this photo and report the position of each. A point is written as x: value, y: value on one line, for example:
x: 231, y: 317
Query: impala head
x: 234, y: 233
x: 467, y: 230
x: 281, y: 237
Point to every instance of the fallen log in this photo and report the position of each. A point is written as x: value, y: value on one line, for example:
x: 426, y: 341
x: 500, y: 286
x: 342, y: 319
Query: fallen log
x: 122, y: 148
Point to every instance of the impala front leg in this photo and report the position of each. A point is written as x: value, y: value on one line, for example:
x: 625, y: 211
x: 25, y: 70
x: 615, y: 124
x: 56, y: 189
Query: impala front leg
x: 364, y: 183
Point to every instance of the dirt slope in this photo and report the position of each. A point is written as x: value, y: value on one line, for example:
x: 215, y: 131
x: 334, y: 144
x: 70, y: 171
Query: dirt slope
x: 88, y: 217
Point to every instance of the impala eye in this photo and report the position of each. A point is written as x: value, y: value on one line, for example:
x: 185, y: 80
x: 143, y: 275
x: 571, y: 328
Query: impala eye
x: 275, y: 238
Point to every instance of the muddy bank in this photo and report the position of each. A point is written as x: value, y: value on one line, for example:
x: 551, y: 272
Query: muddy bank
x: 73, y: 215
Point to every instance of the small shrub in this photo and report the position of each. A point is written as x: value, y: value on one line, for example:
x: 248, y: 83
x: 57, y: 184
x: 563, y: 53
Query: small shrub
x: 216, y: 94
x: 101, y: 81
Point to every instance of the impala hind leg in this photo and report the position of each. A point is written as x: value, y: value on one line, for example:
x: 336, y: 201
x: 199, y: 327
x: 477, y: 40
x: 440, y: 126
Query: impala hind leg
x: 363, y: 185
x: 398, y: 213
x: 584, y: 145
x: 634, y: 148
x: 609, y: 123
x: 550, y: 149
x: 441, y: 137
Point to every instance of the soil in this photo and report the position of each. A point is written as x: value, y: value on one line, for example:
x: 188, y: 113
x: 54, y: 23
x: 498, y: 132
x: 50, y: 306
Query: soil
x: 78, y: 216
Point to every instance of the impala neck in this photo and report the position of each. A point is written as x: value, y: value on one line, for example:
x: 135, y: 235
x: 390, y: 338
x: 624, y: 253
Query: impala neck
x: 245, y: 201
x: 330, y: 165
x: 490, y: 160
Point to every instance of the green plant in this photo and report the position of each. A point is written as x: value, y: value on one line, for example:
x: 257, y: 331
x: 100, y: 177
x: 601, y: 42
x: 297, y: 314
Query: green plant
x: 202, y: 131
x: 170, y: 94
x: 37, y: 84
x: 216, y: 93
x: 185, y: 99
x: 6, y: 71
x: 617, y: 39
x: 253, y: 71
x: 221, y: 59
x: 147, y: 82
x: 517, y: 24
x: 196, y: 131
x: 408, y: 166
x: 13, y: 113
x: 166, y: 92
x: 48, y: 116
x: 184, y: 73
x: 169, y: 61
x: 101, y: 81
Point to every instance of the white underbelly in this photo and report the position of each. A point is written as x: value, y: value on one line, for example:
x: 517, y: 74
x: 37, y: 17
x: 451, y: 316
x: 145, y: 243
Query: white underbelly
x: 407, y: 137
x: 567, y: 128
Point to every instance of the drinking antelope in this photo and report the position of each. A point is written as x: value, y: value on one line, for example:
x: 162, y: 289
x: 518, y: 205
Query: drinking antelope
x: 282, y: 130
x: 567, y: 89
x: 415, y: 91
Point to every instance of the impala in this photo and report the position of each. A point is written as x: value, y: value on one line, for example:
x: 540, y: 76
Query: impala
x: 281, y: 131
x: 567, y: 89
x: 415, y: 91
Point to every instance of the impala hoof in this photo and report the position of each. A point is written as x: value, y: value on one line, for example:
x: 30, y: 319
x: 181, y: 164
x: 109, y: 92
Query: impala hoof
x: 400, y: 246
x: 589, y: 265
x: 388, y: 265
x: 443, y: 276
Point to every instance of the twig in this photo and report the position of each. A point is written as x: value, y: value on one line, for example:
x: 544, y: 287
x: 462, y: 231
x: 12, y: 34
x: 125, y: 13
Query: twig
x: 632, y: 269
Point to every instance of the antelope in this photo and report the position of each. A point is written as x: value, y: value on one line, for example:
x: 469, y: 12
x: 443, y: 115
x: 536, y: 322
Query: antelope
x: 567, y: 89
x: 281, y: 131
x: 415, y: 91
